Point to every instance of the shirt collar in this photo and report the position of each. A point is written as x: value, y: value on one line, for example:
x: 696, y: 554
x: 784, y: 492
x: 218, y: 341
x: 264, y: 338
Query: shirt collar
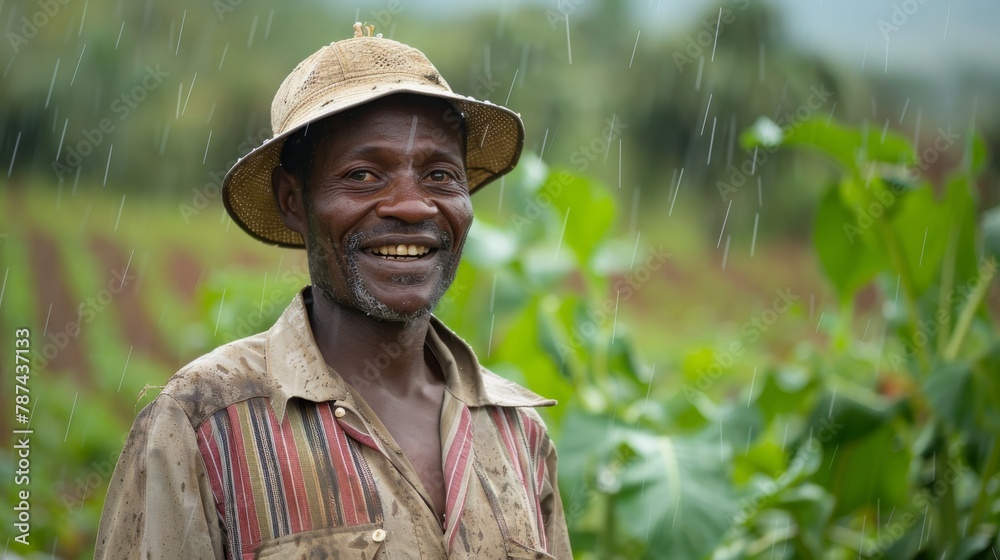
x: 295, y: 363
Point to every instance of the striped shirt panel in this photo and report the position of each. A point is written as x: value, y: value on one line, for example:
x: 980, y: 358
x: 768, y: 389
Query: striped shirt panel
x: 525, y: 442
x: 271, y: 480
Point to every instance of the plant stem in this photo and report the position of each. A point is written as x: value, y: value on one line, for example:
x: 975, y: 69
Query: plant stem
x: 986, y: 272
x: 947, y: 284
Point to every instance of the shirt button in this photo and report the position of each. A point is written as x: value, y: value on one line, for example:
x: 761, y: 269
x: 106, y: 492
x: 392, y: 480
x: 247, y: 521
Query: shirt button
x: 378, y: 535
x: 339, y: 412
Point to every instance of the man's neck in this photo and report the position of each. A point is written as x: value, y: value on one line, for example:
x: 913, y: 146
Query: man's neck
x: 365, y: 350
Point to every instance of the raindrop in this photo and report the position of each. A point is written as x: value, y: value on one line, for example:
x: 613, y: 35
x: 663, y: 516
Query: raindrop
x: 120, y: 35
x: 562, y: 234
x: 204, y: 158
x: 223, y: 57
x: 71, y: 411
x: 253, y: 31
x: 52, y: 83
x: 676, y: 190
x: 108, y: 167
x: 79, y: 60
x: 127, y: 358
x: 718, y: 26
x: 489, y: 344
x: 180, y: 33
x: 711, y: 142
x: 3, y: 288
x: 222, y: 302
x: 17, y: 142
x: 267, y: 26
x: 83, y: 18
x: 190, y: 89
x: 119, y: 218
x: 947, y: 20
x: 725, y: 252
x: 701, y: 68
x: 637, y: 46
x: 705, y: 120
x: 724, y: 220
x: 569, y: 45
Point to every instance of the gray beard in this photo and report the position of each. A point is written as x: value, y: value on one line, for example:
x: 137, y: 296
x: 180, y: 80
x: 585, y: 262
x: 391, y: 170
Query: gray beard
x: 360, y: 297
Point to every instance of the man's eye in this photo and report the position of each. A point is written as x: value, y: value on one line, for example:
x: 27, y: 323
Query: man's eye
x: 439, y: 176
x: 362, y: 176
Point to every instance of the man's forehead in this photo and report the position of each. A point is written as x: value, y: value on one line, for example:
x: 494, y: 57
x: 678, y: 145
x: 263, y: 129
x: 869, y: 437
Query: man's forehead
x: 420, y: 115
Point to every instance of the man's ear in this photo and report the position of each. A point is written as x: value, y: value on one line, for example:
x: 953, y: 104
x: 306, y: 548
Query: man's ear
x: 288, y: 194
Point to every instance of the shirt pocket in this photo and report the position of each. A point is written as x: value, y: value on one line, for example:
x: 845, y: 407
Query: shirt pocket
x: 518, y: 551
x: 346, y: 543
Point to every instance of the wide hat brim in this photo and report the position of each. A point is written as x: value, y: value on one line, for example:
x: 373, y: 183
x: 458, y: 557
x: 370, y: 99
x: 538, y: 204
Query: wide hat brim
x: 494, y: 140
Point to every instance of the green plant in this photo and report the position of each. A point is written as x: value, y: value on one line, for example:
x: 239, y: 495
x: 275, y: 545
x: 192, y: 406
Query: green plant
x: 912, y: 416
x: 868, y: 447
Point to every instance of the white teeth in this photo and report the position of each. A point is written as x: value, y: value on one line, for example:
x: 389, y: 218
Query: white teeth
x: 401, y: 250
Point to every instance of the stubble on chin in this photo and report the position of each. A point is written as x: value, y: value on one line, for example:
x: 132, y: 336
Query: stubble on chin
x: 358, y: 296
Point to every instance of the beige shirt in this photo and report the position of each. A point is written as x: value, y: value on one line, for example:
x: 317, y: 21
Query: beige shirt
x: 261, y: 450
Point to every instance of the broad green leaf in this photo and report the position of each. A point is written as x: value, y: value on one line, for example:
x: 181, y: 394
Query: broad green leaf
x: 489, y: 246
x: 846, y: 260
x: 784, y: 391
x: 675, y: 494
x: 839, y: 417
x: 867, y: 472
x: 847, y: 146
x: 850, y: 146
x: 585, y: 212
x: 949, y: 390
x: 922, y: 227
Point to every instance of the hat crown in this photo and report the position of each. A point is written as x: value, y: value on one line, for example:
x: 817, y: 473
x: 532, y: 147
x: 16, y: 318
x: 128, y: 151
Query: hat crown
x: 349, y: 64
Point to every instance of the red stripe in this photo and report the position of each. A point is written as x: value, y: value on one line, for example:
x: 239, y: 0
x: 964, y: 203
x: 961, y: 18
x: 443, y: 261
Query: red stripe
x: 353, y: 502
x: 534, y: 434
x: 213, y: 464
x: 457, y: 462
x: 292, y: 478
x: 248, y: 526
x: 503, y: 426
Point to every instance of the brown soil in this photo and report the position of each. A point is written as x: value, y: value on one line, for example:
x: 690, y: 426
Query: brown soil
x: 50, y: 280
x: 137, y: 328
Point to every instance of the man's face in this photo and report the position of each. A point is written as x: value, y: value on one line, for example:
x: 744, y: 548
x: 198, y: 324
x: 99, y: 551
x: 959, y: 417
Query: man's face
x: 388, y: 208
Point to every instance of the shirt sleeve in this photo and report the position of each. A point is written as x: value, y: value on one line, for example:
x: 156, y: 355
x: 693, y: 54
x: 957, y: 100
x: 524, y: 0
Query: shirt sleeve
x: 159, y: 502
x: 556, y: 532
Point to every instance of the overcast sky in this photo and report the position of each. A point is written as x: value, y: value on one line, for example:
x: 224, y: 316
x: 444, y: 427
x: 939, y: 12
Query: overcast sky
x: 926, y: 35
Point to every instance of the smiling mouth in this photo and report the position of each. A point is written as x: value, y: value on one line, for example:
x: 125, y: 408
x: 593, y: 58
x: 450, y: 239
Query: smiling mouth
x: 401, y: 252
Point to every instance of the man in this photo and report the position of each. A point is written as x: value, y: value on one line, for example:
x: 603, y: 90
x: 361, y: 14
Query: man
x: 285, y: 444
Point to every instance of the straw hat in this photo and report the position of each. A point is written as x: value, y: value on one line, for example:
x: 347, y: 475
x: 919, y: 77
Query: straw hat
x: 343, y: 75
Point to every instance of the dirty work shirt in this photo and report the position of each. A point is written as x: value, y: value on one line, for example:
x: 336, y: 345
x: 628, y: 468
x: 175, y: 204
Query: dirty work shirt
x: 260, y: 450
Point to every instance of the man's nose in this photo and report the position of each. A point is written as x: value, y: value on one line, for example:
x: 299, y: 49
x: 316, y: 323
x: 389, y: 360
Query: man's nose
x: 406, y: 200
